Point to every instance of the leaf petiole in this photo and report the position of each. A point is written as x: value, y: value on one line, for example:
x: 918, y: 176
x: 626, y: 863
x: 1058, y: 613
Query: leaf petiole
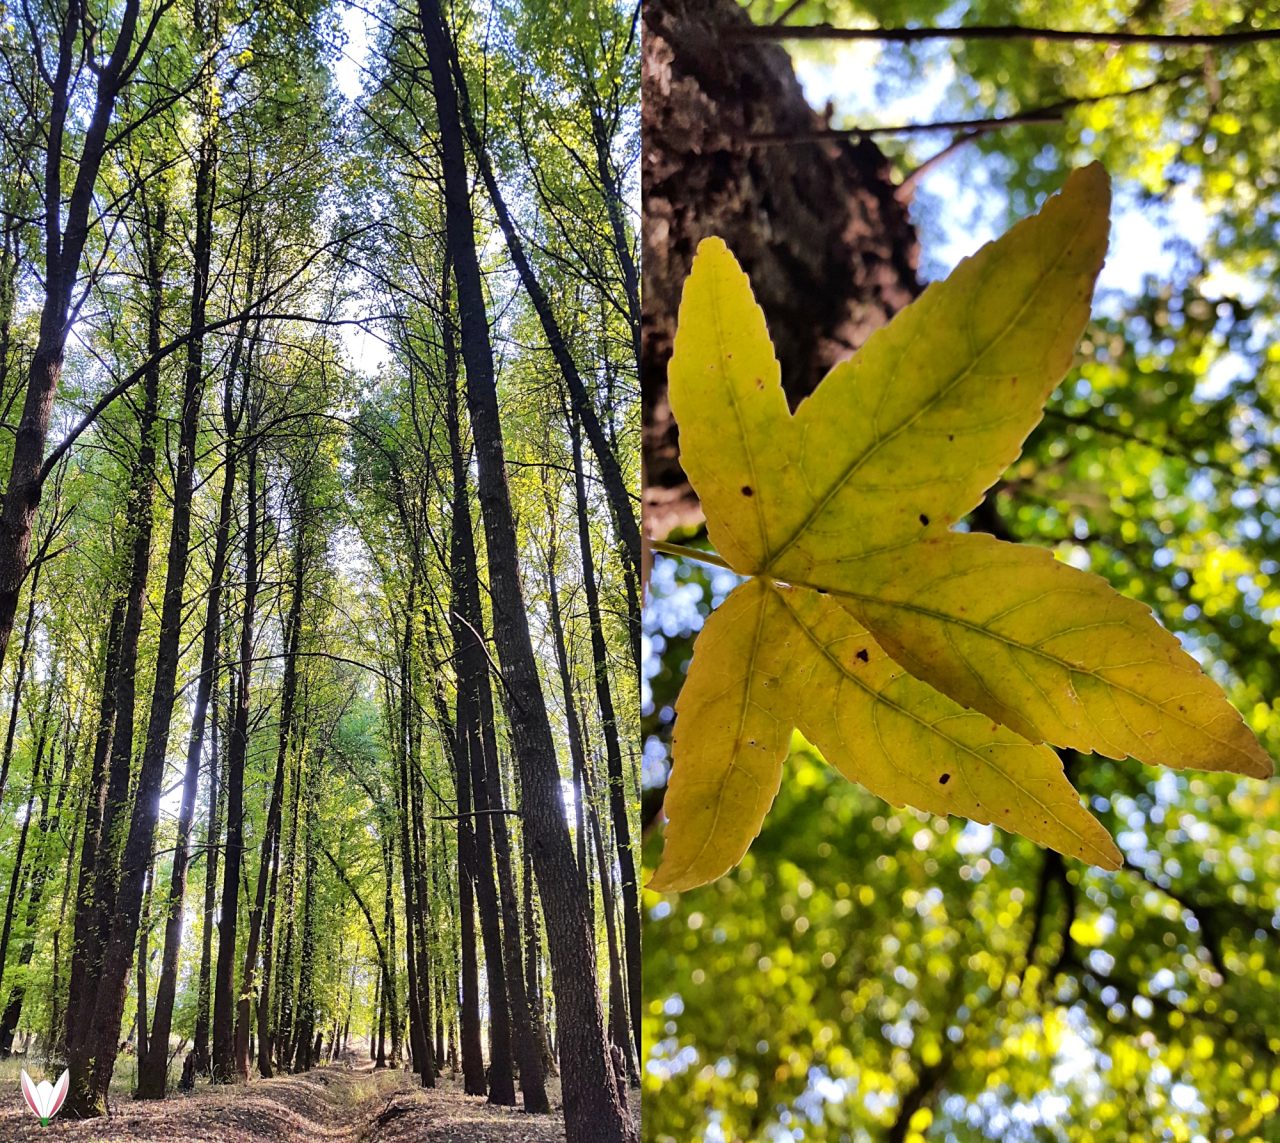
x: 684, y: 553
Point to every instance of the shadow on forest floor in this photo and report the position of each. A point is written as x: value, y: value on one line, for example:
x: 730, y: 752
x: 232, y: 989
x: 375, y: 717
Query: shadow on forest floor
x: 332, y: 1104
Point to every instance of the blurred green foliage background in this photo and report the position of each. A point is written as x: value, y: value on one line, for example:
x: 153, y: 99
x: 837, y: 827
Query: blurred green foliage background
x: 871, y: 973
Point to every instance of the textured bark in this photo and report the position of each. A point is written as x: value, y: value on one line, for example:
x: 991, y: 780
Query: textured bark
x: 829, y: 248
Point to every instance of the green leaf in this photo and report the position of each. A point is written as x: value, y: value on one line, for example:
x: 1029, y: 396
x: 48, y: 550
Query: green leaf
x: 839, y: 515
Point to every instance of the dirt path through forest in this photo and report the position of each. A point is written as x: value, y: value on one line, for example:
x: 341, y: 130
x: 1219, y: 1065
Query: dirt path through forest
x: 334, y: 1104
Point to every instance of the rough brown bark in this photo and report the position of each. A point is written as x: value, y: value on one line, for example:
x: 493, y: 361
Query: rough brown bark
x: 830, y: 250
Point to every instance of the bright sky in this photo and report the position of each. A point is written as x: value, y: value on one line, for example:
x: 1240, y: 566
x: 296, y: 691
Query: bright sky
x: 1137, y: 242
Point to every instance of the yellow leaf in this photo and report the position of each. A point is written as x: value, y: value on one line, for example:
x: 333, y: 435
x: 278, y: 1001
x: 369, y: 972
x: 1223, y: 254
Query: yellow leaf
x: 778, y: 657
x: 913, y: 746
x: 729, y: 745
x: 840, y: 515
x: 1055, y: 653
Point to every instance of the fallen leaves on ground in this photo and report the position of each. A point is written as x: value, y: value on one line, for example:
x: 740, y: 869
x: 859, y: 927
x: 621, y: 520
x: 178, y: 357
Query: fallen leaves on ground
x: 335, y: 1104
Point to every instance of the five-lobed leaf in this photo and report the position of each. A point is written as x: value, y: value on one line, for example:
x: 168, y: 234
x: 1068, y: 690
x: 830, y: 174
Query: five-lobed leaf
x: 840, y: 515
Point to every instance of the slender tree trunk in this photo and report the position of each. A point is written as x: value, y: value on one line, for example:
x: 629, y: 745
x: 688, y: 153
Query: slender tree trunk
x: 153, y: 1066
x: 225, y: 1056
x: 213, y: 839
x: 301, y: 1052
x: 123, y: 855
x: 39, y: 878
x: 533, y: 975
x: 19, y: 678
x: 144, y: 941
x: 473, y: 1071
x: 64, y: 245
x: 621, y: 503
x: 268, y: 870
x: 621, y: 796
x: 593, y: 1110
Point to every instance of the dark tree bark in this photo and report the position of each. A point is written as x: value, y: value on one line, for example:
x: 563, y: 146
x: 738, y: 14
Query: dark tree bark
x: 476, y: 734
x: 593, y: 1110
x: 65, y: 232
x: 301, y: 1053
x: 153, y: 1066
x: 123, y: 858
x: 225, y: 1056
x: 268, y: 868
x: 829, y: 248
x: 213, y: 838
x: 621, y: 795
x: 621, y: 504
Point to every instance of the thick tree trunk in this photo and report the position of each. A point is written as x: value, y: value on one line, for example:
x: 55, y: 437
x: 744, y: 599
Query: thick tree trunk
x: 593, y: 1110
x: 829, y: 248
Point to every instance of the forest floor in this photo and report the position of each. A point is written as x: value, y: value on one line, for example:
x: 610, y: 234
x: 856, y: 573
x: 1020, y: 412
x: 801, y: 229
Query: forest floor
x: 339, y: 1103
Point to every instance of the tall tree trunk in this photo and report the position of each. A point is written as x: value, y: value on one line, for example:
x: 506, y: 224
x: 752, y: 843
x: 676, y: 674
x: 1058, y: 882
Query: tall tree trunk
x: 268, y: 868
x: 414, y: 904
x: 153, y: 1066
x: 35, y: 893
x: 301, y: 1052
x: 621, y: 504
x: 124, y: 846
x: 64, y: 239
x: 285, y: 988
x: 533, y: 976
x: 212, y: 846
x: 593, y: 1110
x: 144, y: 941
x: 473, y: 1071
x: 621, y: 795
x: 19, y: 678
x: 225, y: 1056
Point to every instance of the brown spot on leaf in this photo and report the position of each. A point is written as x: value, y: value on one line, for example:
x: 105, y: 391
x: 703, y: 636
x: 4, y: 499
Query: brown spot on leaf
x: 942, y: 781
x: 747, y: 490
x: 924, y: 519
x: 863, y: 656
